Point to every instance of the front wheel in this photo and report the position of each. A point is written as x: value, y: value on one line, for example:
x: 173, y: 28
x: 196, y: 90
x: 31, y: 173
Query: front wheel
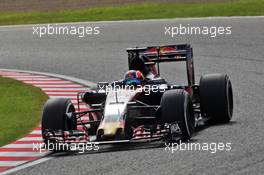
x: 176, y: 106
x: 57, y: 115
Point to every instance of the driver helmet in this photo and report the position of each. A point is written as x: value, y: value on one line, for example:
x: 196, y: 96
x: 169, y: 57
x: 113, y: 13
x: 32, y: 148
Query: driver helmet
x: 134, y: 77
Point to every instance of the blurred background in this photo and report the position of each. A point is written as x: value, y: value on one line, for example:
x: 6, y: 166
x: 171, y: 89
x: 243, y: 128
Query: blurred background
x: 29, y: 5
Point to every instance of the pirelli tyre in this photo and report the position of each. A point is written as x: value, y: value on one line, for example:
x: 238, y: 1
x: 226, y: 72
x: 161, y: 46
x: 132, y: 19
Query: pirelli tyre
x: 216, y: 96
x: 176, y: 106
x: 57, y: 116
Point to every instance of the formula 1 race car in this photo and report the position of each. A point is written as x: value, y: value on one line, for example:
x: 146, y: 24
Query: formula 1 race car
x: 153, y: 111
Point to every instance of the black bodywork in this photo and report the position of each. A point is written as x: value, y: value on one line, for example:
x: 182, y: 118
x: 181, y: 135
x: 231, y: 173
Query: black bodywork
x: 144, y: 111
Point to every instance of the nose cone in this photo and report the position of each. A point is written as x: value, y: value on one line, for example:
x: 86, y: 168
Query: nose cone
x: 110, y: 130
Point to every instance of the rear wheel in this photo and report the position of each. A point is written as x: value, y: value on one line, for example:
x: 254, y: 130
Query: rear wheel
x: 176, y: 106
x: 216, y: 97
x: 57, y: 116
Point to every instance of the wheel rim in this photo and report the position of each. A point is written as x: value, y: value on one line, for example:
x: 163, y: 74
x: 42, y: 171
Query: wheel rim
x: 229, y: 99
x: 186, y: 113
x: 68, y: 122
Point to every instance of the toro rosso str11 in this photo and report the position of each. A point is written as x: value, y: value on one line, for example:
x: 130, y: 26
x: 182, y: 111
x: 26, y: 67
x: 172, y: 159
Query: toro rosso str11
x: 144, y: 106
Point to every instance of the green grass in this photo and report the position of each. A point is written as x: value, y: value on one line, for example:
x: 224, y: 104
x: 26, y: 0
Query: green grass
x: 140, y: 11
x: 20, y: 109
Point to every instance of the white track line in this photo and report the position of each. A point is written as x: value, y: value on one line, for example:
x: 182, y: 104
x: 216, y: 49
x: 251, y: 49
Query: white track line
x: 36, y: 132
x: 31, y: 138
x: 18, y: 146
x: 61, y: 93
x: 26, y: 165
x: 24, y: 76
x: 14, y: 74
x: 46, y: 82
x: 64, y: 86
x: 22, y: 154
x: 64, y: 89
x: 36, y: 79
x: 11, y: 163
x: 13, y: 27
x: 68, y: 96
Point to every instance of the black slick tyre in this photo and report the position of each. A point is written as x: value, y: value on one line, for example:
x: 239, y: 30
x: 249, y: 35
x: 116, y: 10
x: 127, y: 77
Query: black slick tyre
x: 216, y: 97
x: 56, y: 116
x: 176, y: 106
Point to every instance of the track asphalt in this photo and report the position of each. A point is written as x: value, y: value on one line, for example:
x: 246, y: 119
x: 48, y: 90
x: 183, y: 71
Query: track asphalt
x: 103, y: 58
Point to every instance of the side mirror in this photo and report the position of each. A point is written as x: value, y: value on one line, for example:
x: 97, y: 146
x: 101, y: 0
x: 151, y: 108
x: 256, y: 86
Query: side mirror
x: 91, y: 97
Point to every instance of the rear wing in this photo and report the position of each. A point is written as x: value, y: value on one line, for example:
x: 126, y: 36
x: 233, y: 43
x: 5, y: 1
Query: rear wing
x: 170, y: 53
